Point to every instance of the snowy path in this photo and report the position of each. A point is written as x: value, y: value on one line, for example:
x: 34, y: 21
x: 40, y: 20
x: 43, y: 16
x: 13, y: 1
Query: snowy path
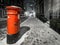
x: 40, y: 33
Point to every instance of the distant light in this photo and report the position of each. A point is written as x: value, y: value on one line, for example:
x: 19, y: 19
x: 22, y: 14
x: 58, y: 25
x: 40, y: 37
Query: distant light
x: 31, y: 5
x: 26, y: 13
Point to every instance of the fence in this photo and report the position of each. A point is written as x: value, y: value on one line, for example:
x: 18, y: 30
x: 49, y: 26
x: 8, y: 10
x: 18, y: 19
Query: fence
x: 2, y: 13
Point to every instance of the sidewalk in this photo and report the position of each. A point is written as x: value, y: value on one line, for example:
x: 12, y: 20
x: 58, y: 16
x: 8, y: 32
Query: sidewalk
x: 40, y: 33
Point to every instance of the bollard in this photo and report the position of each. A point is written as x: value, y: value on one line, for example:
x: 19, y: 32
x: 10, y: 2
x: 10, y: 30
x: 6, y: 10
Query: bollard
x: 13, y: 23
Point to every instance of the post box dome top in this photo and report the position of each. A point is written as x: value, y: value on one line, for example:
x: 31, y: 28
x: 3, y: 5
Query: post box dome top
x: 14, y: 7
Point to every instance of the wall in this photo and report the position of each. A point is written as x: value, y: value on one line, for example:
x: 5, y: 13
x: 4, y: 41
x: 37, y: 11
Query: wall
x: 51, y: 7
x: 47, y: 8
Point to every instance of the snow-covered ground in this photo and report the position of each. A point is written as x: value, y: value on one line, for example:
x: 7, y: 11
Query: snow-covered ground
x: 39, y: 34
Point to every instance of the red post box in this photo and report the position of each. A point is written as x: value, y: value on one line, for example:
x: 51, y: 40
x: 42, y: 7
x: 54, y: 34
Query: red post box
x: 13, y: 23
